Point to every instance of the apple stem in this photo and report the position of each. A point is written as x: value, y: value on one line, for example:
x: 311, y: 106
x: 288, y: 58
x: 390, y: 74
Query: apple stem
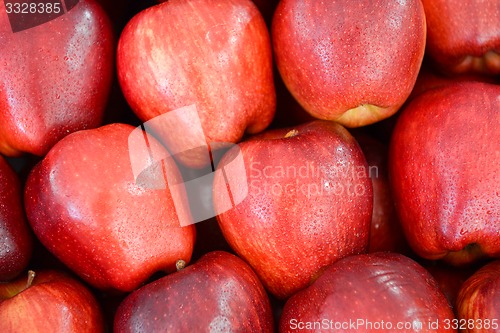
x: 180, y: 264
x: 291, y: 133
x: 31, y: 277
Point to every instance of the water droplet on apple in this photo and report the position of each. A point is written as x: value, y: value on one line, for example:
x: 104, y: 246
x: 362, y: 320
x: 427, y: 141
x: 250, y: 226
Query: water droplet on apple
x: 463, y: 231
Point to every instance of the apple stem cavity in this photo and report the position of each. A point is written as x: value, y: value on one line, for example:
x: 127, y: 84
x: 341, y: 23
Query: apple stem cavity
x: 180, y: 264
x: 469, y: 254
x: 31, y: 277
x: 291, y: 133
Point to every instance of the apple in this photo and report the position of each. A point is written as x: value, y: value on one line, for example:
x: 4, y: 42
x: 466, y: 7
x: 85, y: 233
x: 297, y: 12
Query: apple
x: 478, y: 302
x: 465, y: 37
x: 354, y: 62
x: 445, y: 169
x: 55, y: 78
x: 385, y: 232
x: 219, y: 293
x: 88, y: 209
x: 48, y: 301
x: 306, y: 202
x: 378, y: 292
x: 17, y: 243
x: 214, y: 56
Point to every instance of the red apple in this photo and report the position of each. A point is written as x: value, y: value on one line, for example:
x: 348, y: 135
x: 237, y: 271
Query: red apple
x: 478, y: 302
x: 55, y: 78
x: 445, y: 170
x: 219, y: 293
x: 350, y: 61
x: 86, y: 207
x: 464, y: 37
x: 16, y: 241
x: 48, y: 302
x: 308, y: 202
x: 213, y: 55
x: 378, y: 292
x: 385, y: 233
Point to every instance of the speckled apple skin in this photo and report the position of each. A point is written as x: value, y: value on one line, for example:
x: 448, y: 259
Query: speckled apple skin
x: 373, y: 287
x: 85, y: 207
x: 289, y: 235
x: 16, y: 242
x: 464, y: 37
x: 479, y: 299
x: 55, y: 78
x: 55, y: 302
x: 213, y: 54
x: 335, y: 56
x: 444, y: 164
x: 219, y: 293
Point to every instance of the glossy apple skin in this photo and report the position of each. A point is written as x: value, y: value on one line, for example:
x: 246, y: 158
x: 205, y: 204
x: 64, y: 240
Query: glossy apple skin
x: 219, y: 293
x: 17, y: 243
x: 479, y: 299
x: 213, y: 54
x: 293, y: 223
x: 350, y: 61
x: 444, y: 169
x: 85, y: 206
x: 53, y: 303
x: 386, y: 233
x: 464, y: 37
x: 55, y: 78
x: 372, y: 287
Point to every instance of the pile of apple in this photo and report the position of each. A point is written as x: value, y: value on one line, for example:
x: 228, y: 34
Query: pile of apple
x: 239, y: 166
